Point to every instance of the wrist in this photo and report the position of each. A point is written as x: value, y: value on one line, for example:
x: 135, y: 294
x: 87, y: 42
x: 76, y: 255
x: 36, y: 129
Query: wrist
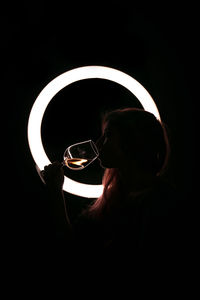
x: 54, y: 189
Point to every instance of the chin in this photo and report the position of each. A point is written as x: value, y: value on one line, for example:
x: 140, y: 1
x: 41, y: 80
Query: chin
x: 102, y: 164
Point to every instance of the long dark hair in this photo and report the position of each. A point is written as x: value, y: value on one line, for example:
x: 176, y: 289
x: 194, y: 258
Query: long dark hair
x: 144, y: 135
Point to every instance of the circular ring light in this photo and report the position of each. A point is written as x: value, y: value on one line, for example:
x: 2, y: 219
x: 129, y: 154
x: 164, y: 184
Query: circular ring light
x: 57, y: 84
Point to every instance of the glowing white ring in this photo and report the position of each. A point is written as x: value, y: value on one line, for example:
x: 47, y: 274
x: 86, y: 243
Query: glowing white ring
x: 43, y: 99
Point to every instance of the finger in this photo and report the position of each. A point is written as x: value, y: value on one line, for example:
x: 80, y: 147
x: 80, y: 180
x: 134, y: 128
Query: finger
x: 57, y: 164
x: 49, y: 168
x: 53, y: 169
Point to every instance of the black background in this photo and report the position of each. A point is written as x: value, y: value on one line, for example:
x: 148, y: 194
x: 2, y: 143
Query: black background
x: 155, y: 45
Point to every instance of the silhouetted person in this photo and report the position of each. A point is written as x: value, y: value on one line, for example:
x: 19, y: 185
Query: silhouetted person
x: 136, y: 216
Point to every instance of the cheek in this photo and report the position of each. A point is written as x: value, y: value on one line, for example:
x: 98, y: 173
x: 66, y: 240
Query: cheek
x: 110, y: 155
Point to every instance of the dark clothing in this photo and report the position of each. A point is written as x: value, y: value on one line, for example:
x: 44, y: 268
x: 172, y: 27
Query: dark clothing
x: 138, y: 243
x: 145, y: 225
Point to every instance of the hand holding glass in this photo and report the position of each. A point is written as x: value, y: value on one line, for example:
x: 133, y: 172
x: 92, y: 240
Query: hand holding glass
x: 80, y: 155
x: 77, y: 156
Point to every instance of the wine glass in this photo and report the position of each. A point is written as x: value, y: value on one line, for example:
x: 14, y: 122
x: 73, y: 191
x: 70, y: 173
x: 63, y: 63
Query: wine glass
x: 78, y: 156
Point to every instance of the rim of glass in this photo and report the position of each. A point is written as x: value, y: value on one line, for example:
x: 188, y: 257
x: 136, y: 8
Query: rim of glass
x: 93, y: 145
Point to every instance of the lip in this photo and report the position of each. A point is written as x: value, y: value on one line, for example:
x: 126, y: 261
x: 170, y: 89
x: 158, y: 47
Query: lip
x: 99, y: 157
x: 101, y: 163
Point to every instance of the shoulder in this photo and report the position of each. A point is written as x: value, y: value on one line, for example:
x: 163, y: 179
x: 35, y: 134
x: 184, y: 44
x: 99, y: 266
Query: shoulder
x: 161, y: 200
x: 162, y: 197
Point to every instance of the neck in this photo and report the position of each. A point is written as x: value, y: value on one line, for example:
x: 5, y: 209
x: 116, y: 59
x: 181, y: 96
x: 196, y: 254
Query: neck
x: 135, y: 179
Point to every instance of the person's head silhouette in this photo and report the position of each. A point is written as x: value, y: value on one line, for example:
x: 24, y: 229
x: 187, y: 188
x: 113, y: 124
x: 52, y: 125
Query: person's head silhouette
x: 136, y: 136
x: 134, y: 149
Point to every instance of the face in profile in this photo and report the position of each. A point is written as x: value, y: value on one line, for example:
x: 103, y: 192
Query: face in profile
x: 109, y: 148
x: 136, y: 137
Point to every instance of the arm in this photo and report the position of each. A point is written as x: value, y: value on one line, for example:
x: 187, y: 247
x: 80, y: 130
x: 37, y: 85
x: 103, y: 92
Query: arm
x: 54, y: 177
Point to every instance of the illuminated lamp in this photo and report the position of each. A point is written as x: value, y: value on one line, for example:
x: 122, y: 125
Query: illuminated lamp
x: 57, y: 84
